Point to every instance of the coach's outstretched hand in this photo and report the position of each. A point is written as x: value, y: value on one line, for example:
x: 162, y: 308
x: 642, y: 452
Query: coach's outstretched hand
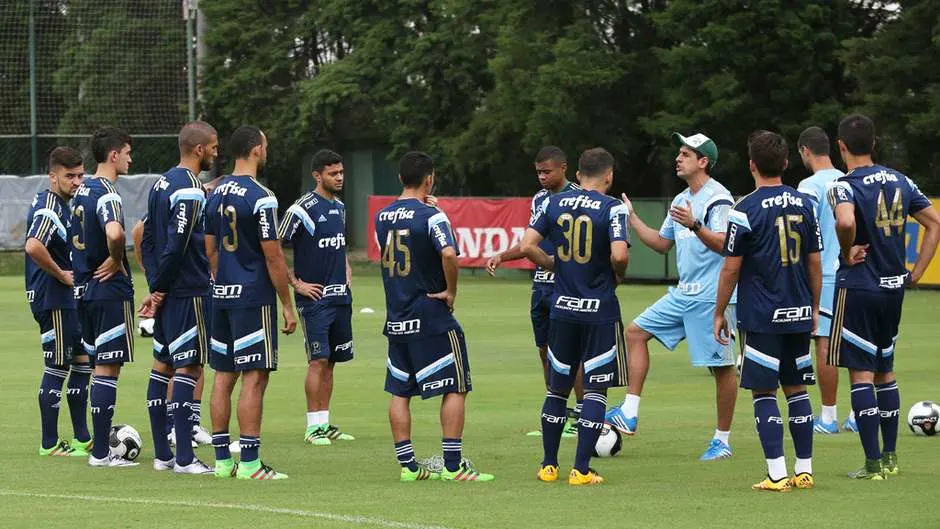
x: 446, y: 297
x: 493, y: 263
x: 290, y: 321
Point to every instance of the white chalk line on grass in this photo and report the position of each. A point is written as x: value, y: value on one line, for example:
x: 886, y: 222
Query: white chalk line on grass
x: 354, y: 520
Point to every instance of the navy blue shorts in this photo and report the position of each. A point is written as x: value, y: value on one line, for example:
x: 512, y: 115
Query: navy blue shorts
x: 244, y: 339
x: 865, y: 329
x: 60, y: 335
x: 327, y: 332
x: 599, y: 346
x: 181, y: 332
x: 540, y: 312
x: 429, y: 366
x: 772, y: 359
x: 108, y: 331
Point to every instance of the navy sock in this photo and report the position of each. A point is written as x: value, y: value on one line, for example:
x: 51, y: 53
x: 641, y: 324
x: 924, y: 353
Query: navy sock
x: 554, y: 412
x: 889, y: 404
x: 183, y: 387
x: 197, y: 413
x: 168, y: 418
x: 103, y: 399
x: 590, y: 424
x: 156, y: 409
x: 577, y: 408
x: 406, y: 455
x: 220, y: 442
x: 77, y: 395
x: 451, y: 448
x: 50, y: 395
x: 865, y: 406
x: 801, y: 424
x: 250, y: 444
x: 769, y: 425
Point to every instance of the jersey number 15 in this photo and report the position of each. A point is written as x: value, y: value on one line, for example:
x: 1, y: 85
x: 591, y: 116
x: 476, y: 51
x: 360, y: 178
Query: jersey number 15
x: 787, y: 231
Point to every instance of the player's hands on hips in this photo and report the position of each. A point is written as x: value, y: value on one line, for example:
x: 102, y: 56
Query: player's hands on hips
x: 108, y: 269
x: 313, y: 291
x: 857, y: 254
x: 493, y: 263
x: 722, y: 332
x: 67, y: 278
x: 445, y: 296
x: 683, y: 215
x: 146, y: 308
x: 290, y: 321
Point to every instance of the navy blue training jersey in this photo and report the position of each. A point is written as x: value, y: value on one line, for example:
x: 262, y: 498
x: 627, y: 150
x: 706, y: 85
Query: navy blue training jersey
x: 242, y: 213
x: 96, y: 203
x: 883, y: 199
x: 545, y: 279
x: 48, y: 221
x: 316, y: 227
x: 580, y: 226
x: 411, y: 237
x: 174, y: 250
x: 773, y: 229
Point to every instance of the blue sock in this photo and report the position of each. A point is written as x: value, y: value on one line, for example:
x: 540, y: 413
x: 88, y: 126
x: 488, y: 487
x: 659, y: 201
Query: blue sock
x: 183, y: 387
x: 769, y: 425
x: 50, y: 395
x: 103, y: 400
x: 220, y: 442
x: 554, y: 414
x: 250, y: 444
x: 168, y: 418
x: 590, y: 423
x: 865, y: 406
x: 801, y: 424
x: 406, y: 455
x: 889, y: 404
x: 451, y: 448
x: 197, y: 413
x: 77, y: 395
x: 156, y: 409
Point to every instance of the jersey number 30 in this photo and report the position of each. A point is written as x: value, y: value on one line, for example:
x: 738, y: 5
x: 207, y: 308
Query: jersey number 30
x: 576, y: 229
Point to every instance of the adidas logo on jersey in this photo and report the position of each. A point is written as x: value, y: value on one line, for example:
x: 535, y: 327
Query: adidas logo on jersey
x: 580, y: 201
x: 321, y: 219
x: 396, y: 215
x: 786, y: 199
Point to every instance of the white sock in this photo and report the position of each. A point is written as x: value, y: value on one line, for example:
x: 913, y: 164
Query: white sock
x: 723, y: 436
x: 829, y: 414
x: 312, y: 419
x: 325, y: 417
x: 803, y: 465
x: 631, y: 405
x: 777, y: 468
x: 852, y: 415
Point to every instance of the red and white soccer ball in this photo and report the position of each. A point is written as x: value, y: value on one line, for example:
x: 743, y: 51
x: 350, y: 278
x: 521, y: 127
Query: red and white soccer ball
x: 924, y: 418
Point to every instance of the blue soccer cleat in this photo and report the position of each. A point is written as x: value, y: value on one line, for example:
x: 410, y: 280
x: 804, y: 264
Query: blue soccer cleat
x: 825, y: 427
x: 717, y: 449
x: 616, y: 418
x: 849, y: 425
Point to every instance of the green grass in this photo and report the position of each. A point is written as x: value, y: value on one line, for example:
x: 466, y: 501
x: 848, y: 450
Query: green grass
x: 656, y: 482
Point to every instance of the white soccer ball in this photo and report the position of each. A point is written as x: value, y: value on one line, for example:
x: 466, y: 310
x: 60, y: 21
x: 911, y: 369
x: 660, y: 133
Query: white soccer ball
x: 125, y: 442
x: 924, y: 418
x: 609, y: 442
x: 145, y: 327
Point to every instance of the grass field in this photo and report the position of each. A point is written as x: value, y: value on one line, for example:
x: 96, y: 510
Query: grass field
x: 657, y: 481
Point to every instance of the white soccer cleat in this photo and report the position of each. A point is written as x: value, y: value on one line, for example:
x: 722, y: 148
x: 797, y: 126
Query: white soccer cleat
x: 160, y: 465
x: 196, y: 467
x: 235, y: 447
x: 110, y: 461
x: 201, y: 436
x: 172, y: 438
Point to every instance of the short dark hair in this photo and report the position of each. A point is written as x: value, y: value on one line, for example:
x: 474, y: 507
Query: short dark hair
x: 414, y: 167
x: 857, y: 132
x: 243, y: 140
x: 815, y: 139
x: 325, y: 157
x: 66, y: 157
x: 107, y: 139
x: 194, y: 134
x: 595, y: 162
x: 551, y: 153
x: 768, y: 151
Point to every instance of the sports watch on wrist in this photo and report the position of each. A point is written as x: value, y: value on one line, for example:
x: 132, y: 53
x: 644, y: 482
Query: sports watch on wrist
x: 697, y: 225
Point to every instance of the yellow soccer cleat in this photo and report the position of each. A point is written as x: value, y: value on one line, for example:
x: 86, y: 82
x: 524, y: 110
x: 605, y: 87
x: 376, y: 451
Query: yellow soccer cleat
x: 547, y: 473
x: 803, y: 480
x: 591, y: 478
x: 781, y: 485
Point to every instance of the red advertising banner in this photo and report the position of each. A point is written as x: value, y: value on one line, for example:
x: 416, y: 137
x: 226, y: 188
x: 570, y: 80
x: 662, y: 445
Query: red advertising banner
x: 484, y: 227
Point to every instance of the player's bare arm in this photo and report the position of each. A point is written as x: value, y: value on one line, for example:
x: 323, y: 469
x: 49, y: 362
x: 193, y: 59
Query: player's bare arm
x: 930, y: 220
x: 845, y: 230
x: 619, y: 258
x: 41, y: 256
x: 530, y: 248
x: 727, y: 280
x: 512, y: 254
x: 313, y: 291
x: 451, y: 272
x: 814, y: 272
x: 114, y: 264
x: 649, y: 236
x: 212, y: 254
x: 277, y: 271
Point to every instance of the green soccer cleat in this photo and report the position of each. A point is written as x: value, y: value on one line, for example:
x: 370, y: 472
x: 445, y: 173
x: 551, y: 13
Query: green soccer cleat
x: 422, y: 474
x: 571, y: 429
x: 62, y: 449
x: 889, y: 462
x: 258, y: 471
x: 78, y: 445
x: 225, y: 468
x: 317, y: 435
x: 872, y: 470
x: 465, y: 472
x: 335, y: 434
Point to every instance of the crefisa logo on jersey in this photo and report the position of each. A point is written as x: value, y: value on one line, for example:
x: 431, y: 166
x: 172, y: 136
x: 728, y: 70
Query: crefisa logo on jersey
x: 732, y: 233
x: 264, y: 224
x: 337, y: 242
x: 580, y: 201
x: 577, y: 304
x: 181, y: 219
x: 396, y: 215
x: 786, y: 199
x: 231, y: 188
x: 880, y: 177
x: 793, y: 314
